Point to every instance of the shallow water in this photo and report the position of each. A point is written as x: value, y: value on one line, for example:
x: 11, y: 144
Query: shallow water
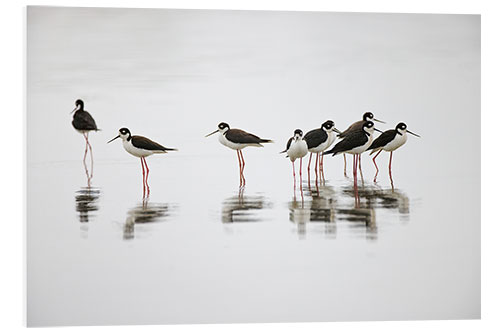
x: 201, y: 250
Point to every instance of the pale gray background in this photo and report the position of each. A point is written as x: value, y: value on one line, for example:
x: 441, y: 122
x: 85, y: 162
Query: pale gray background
x: 173, y: 75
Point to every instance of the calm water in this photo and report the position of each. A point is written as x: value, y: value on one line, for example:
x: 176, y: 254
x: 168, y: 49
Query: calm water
x: 199, y: 249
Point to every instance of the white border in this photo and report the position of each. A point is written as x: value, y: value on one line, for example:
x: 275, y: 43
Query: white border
x: 12, y: 36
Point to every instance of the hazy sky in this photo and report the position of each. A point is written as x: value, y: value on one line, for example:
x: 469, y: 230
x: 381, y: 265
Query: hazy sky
x: 173, y: 75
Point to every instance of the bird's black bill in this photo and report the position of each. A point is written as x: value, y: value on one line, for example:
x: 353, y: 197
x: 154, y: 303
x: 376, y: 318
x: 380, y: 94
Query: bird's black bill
x: 380, y: 121
x: 413, y: 133
x: 376, y: 129
x: 74, y: 110
x: 114, y: 138
x: 211, y: 133
x: 336, y: 130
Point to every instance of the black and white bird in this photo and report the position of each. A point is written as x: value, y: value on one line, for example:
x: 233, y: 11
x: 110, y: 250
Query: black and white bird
x: 355, y: 143
x: 84, y: 123
x: 237, y: 139
x: 367, y: 116
x: 141, y: 147
x: 296, y: 148
x: 389, y: 141
x: 318, y: 140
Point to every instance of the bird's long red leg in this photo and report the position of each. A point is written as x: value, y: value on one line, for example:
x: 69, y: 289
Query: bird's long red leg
x: 242, y: 168
x: 390, y: 171
x: 300, y: 173
x: 86, y: 147
x: 294, y: 181
x: 309, y: 169
x: 321, y: 170
x: 91, y: 157
x: 356, y: 194
x: 147, y: 174
x: 143, y: 178
x: 316, y: 167
x: 354, y: 165
x: 345, y: 166
x: 376, y: 167
x: 355, y: 168
x: 84, y: 162
x: 390, y: 165
x: 359, y: 166
x: 239, y: 164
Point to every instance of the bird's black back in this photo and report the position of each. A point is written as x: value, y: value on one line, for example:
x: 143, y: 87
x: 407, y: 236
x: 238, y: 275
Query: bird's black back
x: 351, y: 140
x: 83, y: 121
x: 315, y: 137
x: 240, y: 136
x: 354, y: 127
x: 147, y: 144
x: 383, y: 139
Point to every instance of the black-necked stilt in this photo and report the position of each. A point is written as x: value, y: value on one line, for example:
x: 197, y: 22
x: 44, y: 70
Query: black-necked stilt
x: 367, y: 116
x: 318, y: 140
x: 296, y: 148
x: 84, y: 123
x: 355, y: 143
x: 389, y: 141
x: 141, y: 147
x: 238, y: 139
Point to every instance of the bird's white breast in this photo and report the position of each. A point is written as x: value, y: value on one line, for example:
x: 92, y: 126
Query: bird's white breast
x: 397, y: 142
x: 137, y: 152
x: 331, y: 139
x: 298, y: 149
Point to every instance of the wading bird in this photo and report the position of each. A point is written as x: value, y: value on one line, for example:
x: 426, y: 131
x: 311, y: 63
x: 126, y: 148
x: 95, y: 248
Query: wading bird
x: 296, y: 148
x: 141, y: 147
x: 237, y: 139
x: 318, y: 140
x: 367, y: 116
x: 389, y: 141
x: 84, y: 123
x: 355, y: 143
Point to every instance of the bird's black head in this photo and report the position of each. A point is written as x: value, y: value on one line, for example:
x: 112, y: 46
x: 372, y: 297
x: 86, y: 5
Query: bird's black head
x: 368, y: 125
x: 402, y: 129
x: 368, y: 116
x: 79, y: 105
x: 401, y: 126
x: 124, y: 131
x: 297, y: 134
x: 328, y: 125
x: 222, y: 126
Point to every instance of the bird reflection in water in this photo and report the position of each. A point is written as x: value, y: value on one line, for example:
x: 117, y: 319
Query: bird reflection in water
x: 243, y: 208
x: 371, y: 199
x: 319, y: 210
x: 324, y: 205
x: 144, y: 213
x: 86, y: 200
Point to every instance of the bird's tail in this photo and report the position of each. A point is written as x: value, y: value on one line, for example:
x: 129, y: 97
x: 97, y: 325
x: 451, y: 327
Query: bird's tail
x: 374, y: 150
x: 170, y: 149
x: 266, y: 141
